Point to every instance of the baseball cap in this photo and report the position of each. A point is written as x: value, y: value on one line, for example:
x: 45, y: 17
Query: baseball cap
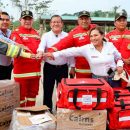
x: 121, y: 14
x: 26, y: 13
x: 84, y: 13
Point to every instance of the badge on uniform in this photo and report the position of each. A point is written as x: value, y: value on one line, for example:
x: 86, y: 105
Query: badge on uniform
x: 81, y: 37
x: 25, y: 38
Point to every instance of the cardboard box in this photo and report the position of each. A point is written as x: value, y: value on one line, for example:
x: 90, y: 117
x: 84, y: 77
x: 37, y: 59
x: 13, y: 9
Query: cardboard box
x: 9, y: 99
x: 8, y: 106
x: 5, y: 122
x: 9, y: 89
x: 81, y: 120
x: 33, y: 118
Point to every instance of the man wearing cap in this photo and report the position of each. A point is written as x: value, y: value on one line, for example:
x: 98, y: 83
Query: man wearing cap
x: 79, y: 36
x: 27, y: 71
x: 120, y: 37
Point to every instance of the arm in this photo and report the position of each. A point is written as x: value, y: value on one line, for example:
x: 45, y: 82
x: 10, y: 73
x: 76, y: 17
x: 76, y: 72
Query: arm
x: 74, y: 51
x: 13, y: 39
x: 41, y: 47
x: 118, y: 59
x: 64, y: 43
x: 11, y: 50
x: 71, y: 62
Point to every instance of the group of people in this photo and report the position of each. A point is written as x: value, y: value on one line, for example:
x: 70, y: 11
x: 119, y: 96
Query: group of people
x: 96, y: 55
x: 88, y: 52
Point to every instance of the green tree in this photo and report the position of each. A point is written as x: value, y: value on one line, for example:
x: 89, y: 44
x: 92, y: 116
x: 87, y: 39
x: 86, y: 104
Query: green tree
x: 37, y: 6
x: 115, y: 8
x: 2, y: 5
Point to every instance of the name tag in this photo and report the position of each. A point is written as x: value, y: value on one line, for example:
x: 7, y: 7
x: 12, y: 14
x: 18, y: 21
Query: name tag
x: 94, y: 56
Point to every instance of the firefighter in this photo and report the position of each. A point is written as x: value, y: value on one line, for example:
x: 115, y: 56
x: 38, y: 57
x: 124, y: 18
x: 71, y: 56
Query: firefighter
x: 79, y: 36
x: 27, y: 71
x: 120, y: 37
x: 13, y: 50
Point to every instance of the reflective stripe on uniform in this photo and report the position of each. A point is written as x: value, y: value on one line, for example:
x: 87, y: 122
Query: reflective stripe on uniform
x: 23, y: 101
x: 126, y: 36
x: 30, y: 35
x: 80, y: 35
x: 12, y: 51
x: 83, y: 70
x: 119, y: 36
x: 31, y: 99
x: 27, y: 74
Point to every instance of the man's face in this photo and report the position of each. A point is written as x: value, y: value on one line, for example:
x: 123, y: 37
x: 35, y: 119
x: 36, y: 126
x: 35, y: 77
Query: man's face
x: 4, y: 22
x: 56, y: 24
x: 121, y: 24
x: 84, y: 21
x: 26, y: 22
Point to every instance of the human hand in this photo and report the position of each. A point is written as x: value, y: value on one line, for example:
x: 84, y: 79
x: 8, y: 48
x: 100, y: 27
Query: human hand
x: 72, y: 72
x: 48, y: 55
x: 33, y: 56
x: 119, y: 69
x: 39, y: 55
x: 23, y: 47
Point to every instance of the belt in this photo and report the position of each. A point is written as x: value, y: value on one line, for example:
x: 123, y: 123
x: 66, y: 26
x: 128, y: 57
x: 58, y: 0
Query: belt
x: 98, y: 76
x: 56, y: 66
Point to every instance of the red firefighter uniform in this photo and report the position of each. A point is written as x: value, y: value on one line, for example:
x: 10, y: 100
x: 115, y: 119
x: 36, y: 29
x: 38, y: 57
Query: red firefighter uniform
x: 121, y: 40
x: 27, y: 71
x: 76, y: 38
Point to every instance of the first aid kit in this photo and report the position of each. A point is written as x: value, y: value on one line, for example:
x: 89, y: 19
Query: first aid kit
x: 84, y: 94
x: 119, y: 116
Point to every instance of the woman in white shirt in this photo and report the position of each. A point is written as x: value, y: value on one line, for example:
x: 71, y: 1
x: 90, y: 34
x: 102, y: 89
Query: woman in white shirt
x: 102, y: 56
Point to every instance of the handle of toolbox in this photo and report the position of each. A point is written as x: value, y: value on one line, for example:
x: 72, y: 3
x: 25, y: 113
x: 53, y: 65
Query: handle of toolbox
x: 85, y: 84
x: 76, y: 90
x: 117, y: 95
x: 122, y: 104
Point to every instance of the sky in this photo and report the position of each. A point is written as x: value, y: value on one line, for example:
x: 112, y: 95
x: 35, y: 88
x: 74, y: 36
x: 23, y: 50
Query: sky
x: 72, y: 6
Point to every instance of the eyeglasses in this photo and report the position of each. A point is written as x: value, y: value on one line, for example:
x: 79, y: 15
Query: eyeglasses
x: 4, y: 19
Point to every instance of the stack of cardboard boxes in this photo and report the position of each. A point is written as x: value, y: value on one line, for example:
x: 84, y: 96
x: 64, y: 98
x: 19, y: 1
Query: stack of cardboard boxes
x: 9, y: 99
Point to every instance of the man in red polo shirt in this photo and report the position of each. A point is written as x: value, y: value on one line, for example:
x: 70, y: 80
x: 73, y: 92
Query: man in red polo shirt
x: 120, y: 37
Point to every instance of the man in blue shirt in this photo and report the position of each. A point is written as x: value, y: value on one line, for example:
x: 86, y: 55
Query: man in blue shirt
x: 5, y: 61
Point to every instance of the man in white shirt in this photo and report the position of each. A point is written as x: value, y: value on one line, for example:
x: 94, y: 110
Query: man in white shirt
x: 57, y: 69
x: 5, y: 61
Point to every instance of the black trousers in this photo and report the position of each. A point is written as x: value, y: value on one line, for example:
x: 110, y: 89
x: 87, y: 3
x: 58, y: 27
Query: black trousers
x: 5, y: 72
x: 52, y: 73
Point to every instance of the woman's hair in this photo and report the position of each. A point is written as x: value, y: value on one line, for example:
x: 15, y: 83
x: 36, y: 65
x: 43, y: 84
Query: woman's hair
x: 98, y: 28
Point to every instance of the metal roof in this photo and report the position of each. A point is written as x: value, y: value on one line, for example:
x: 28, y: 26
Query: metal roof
x: 97, y: 20
x: 75, y: 18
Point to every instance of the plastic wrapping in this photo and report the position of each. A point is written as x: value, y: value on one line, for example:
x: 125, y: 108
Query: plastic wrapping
x: 21, y: 121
